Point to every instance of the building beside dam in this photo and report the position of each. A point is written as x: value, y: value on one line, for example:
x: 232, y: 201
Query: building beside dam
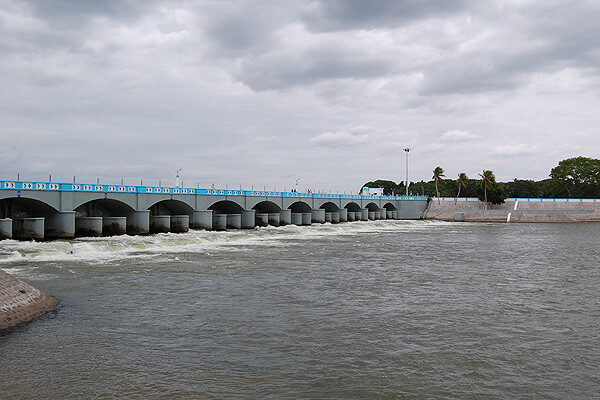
x: 47, y: 210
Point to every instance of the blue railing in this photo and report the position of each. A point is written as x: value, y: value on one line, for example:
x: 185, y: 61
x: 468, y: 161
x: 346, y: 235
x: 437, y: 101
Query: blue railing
x: 101, y: 188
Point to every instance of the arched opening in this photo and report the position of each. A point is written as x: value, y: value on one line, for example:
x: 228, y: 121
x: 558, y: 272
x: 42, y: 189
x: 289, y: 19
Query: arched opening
x: 226, y: 207
x: 266, y: 207
x: 330, y: 207
x: 389, y: 207
x: 103, y: 208
x: 372, y: 207
x: 34, y: 219
x: 171, y: 207
x: 300, y: 207
x: 19, y: 207
x: 352, y: 207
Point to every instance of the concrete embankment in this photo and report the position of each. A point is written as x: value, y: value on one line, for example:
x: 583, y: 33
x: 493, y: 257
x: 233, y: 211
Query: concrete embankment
x: 515, y: 210
x: 21, y: 302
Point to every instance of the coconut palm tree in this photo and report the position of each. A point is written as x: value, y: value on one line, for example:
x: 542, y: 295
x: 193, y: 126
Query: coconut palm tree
x: 487, y: 183
x: 461, y: 182
x: 438, y: 174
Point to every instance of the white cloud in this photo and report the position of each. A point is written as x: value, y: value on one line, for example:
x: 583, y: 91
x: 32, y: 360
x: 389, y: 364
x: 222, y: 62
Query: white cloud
x: 335, y: 140
x: 514, y: 149
x: 458, y: 136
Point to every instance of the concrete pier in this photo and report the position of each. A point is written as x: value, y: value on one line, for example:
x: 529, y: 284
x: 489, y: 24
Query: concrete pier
x: 351, y: 216
x: 335, y: 218
x: 160, y: 224
x: 318, y: 216
x: 274, y: 219
x: 307, y: 218
x: 138, y: 222
x: 383, y: 213
x: 114, y: 226
x: 364, y: 214
x: 219, y: 222
x: 262, y: 219
x: 180, y: 223
x: 371, y: 215
x: 248, y: 219
x: 5, y: 228
x: 285, y: 217
x: 88, y: 226
x: 28, y: 228
x: 328, y: 217
x: 343, y: 214
x: 202, y: 220
x: 297, y: 219
x: 60, y: 225
x: 234, y: 221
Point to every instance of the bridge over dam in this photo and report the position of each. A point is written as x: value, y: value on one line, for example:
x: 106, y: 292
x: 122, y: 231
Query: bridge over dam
x: 47, y: 210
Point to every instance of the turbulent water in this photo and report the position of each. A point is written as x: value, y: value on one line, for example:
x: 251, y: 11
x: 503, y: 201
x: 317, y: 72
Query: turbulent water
x: 365, y: 310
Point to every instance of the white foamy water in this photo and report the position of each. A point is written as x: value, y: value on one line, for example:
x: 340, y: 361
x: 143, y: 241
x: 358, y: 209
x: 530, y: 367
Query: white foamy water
x: 101, y: 250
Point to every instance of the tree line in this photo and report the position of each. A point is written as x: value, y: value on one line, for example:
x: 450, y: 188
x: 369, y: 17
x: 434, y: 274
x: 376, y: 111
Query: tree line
x: 577, y: 177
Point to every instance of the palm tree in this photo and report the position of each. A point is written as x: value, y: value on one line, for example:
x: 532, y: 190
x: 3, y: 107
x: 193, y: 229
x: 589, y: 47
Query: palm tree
x: 438, y: 174
x: 461, y: 182
x: 487, y: 182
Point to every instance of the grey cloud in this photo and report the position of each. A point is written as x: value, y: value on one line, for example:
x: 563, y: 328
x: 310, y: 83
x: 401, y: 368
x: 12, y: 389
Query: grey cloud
x: 278, y: 71
x: 359, y: 14
x: 214, y: 86
x: 73, y: 14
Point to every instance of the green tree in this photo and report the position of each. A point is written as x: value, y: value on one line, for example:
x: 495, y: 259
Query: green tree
x: 438, y: 174
x: 576, y: 177
x: 487, y: 182
x: 493, y: 192
x: 462, y: 181
x: 525, y: 188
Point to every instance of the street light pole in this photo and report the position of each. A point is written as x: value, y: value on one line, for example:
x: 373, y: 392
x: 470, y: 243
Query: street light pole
x: 407, y: 150
x: 177, y: 176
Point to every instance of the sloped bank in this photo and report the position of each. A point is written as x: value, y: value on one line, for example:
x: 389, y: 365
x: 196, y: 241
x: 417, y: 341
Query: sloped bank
x: 514, y: 210
x: 21, y: 302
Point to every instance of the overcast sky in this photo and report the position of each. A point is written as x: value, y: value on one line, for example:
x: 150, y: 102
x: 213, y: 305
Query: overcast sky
x: 264, y: 92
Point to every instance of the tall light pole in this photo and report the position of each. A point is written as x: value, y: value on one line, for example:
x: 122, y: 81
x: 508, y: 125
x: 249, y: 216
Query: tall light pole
x: 177, y: 177
x: 407, y: 150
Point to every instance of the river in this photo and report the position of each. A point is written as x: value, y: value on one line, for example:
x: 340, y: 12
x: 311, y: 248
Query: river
x: 363, y: 310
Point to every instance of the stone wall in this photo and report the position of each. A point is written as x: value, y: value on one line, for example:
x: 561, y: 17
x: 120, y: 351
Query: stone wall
x: 21, y: 302
x: 515, y: 210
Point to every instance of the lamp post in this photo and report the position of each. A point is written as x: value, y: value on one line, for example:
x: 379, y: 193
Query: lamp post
x: 407, y: 150
x: 177, y: 177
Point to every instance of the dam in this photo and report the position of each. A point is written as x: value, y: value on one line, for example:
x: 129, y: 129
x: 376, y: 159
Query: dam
x: 470, y: 209
x: 49, y: 210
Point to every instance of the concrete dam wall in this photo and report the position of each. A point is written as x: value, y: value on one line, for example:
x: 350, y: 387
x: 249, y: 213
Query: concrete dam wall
x: 21, y: 302
x: 47, y: 210
x: 514, y: 210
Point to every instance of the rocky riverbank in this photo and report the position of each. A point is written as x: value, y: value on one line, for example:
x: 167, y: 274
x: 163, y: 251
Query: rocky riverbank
x: 21, y: 302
